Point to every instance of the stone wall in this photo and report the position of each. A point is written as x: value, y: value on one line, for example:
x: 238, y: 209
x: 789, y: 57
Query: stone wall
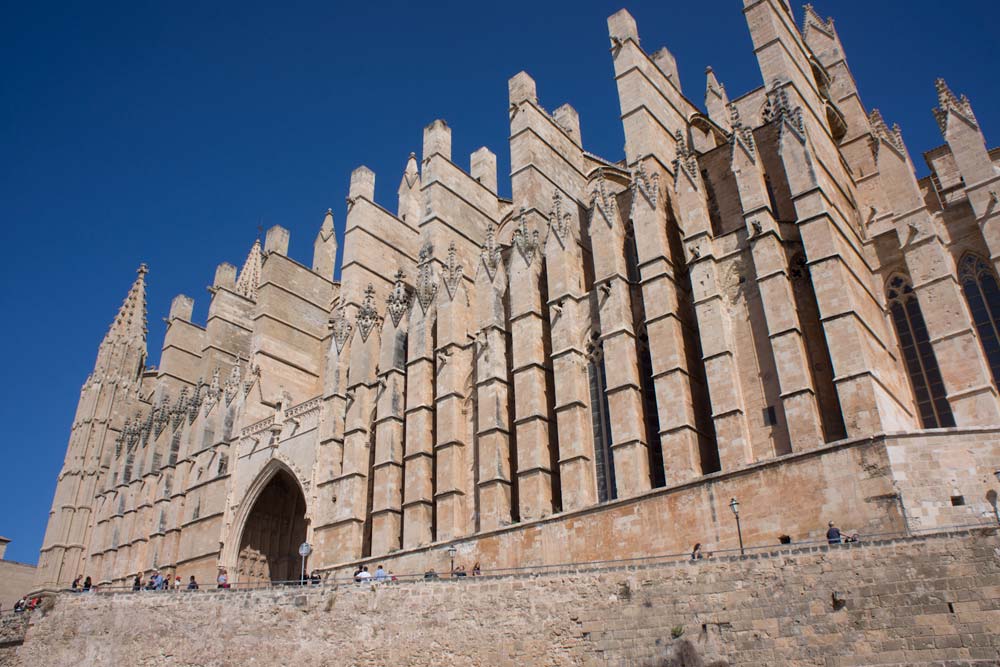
x: 918, y: 601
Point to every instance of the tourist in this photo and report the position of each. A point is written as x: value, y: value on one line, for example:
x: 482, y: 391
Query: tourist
x: 87, y: 585
x: 137, y: 582
x: 459, y: 571
x: 364, y: 575
x: 76, y: 583
x: 833, y: 534
x: 223, y: 578
x: 192, y: 584
x: 430, y: 574
x: 20, y: 605
x: 177, y: 583
x: 476, y: 570
x: 696, y: 552
x: 380, y: 574
x: 357, y: 575
x: 315, y: 578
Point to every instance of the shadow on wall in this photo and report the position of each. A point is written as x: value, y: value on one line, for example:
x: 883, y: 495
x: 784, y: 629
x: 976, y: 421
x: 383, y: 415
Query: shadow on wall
x: 684, y: 654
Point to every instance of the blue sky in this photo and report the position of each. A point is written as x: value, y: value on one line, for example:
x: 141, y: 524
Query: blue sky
x: 166, y: 132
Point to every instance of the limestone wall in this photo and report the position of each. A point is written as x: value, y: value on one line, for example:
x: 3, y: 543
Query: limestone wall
x: 918, y: 601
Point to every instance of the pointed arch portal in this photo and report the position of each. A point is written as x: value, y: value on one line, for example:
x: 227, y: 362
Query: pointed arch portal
x: 274, y: 529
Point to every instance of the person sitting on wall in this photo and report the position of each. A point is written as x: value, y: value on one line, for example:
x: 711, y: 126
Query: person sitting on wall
x: 76, y: 583
x: 476, y: 570
x: 314, y: 578
x: 696, y: 552
x: 380, y: 574
x: 833, y: 534
x: 86, y: 584
x: 223, y: 578
x: 137, y: 582
x: 357, y: 575
x: 459, y: 571
x: 430, y: 574
x: 192, y: 584
x: 364, y: 575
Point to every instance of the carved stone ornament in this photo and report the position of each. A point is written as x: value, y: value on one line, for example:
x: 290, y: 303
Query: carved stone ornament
x: 525, y: 241
x: 452, y: 272
x: 603, y: 202
x: 742, y: 136
x: 686, y: 161
x: 490, y: 253
x: 398, y: 301
x: 232, y: 383
x: 645, y: 184
x: 368, y: 317
x: 426, y: 285
x: 341, y: 328
x: 560, y: 221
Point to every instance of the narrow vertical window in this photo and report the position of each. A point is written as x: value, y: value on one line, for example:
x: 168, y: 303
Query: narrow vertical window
x: 599, y: 414
x: 979, y: 284
x: 918, y: 355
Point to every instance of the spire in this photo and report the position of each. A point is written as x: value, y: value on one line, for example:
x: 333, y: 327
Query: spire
x: 249, y: 278
x: 130, y: 323
x: 948, y: 102
x: 325, y: 247
x: 811, y: 19
x: 409, y: 193
x: 716, y: 100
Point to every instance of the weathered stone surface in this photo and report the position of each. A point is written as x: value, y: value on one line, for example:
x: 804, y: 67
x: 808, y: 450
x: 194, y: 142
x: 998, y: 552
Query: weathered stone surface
x: 930, y: 600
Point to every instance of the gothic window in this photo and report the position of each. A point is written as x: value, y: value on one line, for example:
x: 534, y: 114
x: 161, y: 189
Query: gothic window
x: 114, y: 538
x: 631, y: 255
x: 163, y: 522
x: 196, y: 512
x: 980, y: 286
x: 121, y: 504
x: 127, y: 473
x: 223, y: 464
x: 157, y: 460
x: 918, y: 355
x: 600, y: 420
x: 175, y: 447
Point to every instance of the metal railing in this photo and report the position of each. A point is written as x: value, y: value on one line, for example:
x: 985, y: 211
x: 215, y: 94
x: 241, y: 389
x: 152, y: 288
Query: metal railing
x: 751, y: 552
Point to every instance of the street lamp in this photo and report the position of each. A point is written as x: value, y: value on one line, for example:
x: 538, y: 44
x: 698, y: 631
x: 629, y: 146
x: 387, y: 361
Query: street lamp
x: 734, y: 505
x: 992, y: 495
x: 451, y: 554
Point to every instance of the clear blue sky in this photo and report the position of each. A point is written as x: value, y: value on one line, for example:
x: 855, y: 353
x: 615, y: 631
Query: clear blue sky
x: 164, y: 132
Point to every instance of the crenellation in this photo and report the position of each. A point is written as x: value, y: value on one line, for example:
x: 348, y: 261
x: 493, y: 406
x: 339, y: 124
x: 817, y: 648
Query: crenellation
x: 741, y: 304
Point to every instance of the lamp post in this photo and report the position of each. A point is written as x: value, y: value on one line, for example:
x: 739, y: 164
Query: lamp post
x: 451, y: 554
x: 996, y: 511
x: 734, y: 505
x: 304, y: 550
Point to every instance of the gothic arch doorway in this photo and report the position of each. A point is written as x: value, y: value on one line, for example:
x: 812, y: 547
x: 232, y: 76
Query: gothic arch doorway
x: 274, y: 529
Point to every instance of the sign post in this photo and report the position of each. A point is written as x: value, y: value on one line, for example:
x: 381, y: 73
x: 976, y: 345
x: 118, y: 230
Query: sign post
x: 304, y: 550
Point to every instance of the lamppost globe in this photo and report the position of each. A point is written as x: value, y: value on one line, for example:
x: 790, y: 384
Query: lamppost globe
x: 451, y: 554
x: 734, y: 505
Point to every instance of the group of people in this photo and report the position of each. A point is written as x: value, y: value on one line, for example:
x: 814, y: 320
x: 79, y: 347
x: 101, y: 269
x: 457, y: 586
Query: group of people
x: 458, y: 571
x: 81, y: 584
x: 833, y: 536
x: 362, y: 575
x: 26, y: 604
x: 158, y: 582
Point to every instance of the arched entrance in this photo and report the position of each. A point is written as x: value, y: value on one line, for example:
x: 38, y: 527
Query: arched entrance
x: 274, y: 529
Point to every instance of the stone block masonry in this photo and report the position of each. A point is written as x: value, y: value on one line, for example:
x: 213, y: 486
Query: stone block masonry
x: 932, y: 600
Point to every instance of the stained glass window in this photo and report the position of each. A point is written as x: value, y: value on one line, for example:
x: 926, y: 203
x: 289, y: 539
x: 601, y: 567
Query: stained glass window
x: 918, y: 355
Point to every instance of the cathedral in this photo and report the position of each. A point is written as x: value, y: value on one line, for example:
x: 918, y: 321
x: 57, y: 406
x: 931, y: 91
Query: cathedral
x: 760, y: 302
